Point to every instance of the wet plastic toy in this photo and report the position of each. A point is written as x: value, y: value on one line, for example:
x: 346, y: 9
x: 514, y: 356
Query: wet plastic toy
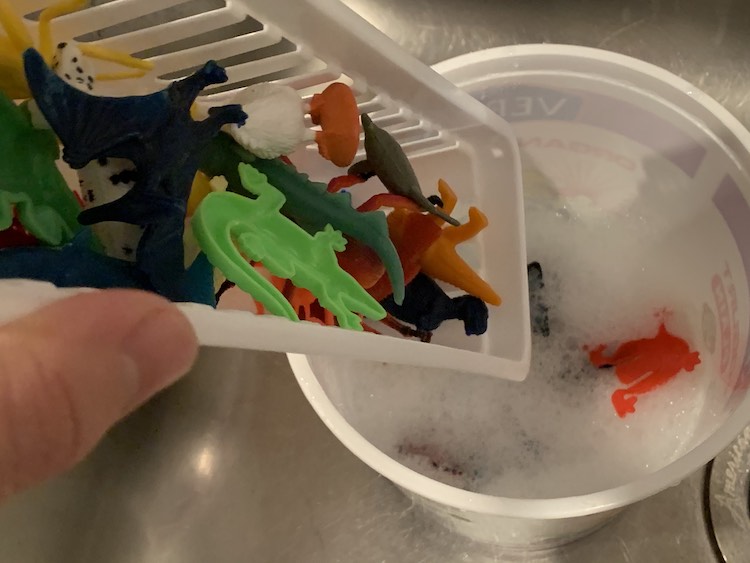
x: 387, y: 160
x: 18, y: 40
x: 335, y: 110
x: 158, y: 135
x: 426, y: 306
x: 102, y: 181
x: 277, y: 126
x: 309, y: 203
x: 263, y: 234
x: 31, y: 181
x: 412, y: 234
x: 41, y: 222
x: 538, y: 307
x: 442, y: 262
x: 76, y: 264
x: 645, y: 364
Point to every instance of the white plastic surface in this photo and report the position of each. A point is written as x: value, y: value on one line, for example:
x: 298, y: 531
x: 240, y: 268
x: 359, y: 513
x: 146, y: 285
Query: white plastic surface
x: 341, y: 400
x: 307, y: 44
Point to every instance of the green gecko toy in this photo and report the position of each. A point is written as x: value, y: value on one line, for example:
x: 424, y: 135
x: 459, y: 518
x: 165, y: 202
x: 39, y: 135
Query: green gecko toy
x: 387, y: 160
x: 309, y: 203
x: 29, y: 178
x: 228, y: 225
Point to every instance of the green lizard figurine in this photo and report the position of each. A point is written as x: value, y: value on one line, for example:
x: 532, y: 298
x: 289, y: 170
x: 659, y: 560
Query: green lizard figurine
x: 309, y: 203
x: 228, y: 226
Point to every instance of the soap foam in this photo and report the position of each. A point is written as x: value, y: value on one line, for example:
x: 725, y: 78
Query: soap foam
x: 556, y: 434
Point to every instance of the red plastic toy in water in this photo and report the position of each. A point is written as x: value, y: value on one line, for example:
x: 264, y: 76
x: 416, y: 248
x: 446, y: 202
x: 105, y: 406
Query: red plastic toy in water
x: 645, y: 364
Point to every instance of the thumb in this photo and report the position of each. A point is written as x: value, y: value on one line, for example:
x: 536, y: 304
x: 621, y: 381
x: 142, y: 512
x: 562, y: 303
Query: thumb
x: 71, y: 370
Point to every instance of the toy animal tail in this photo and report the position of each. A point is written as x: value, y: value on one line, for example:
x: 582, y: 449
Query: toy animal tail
x: 387, y: 253
x: 436, y: 211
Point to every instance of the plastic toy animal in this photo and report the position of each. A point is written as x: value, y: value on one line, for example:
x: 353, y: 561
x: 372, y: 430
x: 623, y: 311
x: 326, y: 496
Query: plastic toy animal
x: 387, y: 160
x: 335, y: 110
x: 154, y: 132
x: 412, y: 234
x: 442, y: 262
x: 75, y: 264
x: 262, y: 234
x: 278, y: 124
x: 539, y: 310
x: 32, y: 190
x: 72, y: 63
x: 17, y: 40
x: 308, y: 203
x: 426, y: 306
x: 645, y: 364
x: 103, y: 180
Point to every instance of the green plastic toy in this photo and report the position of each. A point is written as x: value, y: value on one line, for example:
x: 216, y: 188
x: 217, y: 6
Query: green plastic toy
x: 49, y: 209
x: 228, y: 226
x: 41, y: 221
x: 309, y: 203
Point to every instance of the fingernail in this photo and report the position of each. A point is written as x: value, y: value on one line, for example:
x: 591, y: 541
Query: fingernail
x: 163, y: 347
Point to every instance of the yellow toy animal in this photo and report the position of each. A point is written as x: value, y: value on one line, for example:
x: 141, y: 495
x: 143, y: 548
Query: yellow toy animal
x: 17, y: 39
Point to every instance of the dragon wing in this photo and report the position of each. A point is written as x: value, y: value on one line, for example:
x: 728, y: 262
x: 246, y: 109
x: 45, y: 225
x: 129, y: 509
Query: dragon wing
x: 89, y: 126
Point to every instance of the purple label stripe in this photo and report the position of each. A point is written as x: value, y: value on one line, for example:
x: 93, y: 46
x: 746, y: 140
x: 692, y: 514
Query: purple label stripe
x: 645, y: 128
x: 736, y: 212
x: 520, y: 102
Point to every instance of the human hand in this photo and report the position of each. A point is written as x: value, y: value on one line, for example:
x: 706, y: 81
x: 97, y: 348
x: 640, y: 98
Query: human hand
x: 71, y: 370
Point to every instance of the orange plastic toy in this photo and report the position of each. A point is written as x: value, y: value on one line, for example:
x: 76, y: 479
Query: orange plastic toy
x: 335, y: 110
x: 306, y: 305
x: 644, y: 365
x: 442, y: 262
x: 412, y: 234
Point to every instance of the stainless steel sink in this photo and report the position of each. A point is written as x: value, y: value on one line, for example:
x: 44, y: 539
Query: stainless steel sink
x: 233, y: 465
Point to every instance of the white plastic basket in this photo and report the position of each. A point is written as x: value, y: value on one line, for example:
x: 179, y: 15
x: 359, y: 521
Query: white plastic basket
x: 307, y: 44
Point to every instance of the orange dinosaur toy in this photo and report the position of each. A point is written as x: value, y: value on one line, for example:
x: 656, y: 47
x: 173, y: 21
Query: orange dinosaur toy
x: 645, y: 364
x: 442, y: 262
x: 335, y: 110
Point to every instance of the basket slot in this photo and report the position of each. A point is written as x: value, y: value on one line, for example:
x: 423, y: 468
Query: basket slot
x: 387, y: 119
x: 410, y: 133
x: 313, y: 81
x: 170, y: 32
x: 437, y: 140
x: 107, y: 15
x: 183, y: 59
x: 372, y: 105
x: 269, y: 65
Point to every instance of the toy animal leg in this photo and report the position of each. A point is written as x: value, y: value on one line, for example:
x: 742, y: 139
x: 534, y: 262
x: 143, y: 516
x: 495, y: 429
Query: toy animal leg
x: 389, y: 200
x: 218, y: 117
x: 477, y: 223
x: 405, y: 330
x: 225, y: 286
x: 348, y: 180
x: 345, y: 318
x: 654, y: 380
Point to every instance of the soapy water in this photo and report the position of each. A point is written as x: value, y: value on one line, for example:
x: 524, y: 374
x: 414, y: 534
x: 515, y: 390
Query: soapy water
x: 556, y: 434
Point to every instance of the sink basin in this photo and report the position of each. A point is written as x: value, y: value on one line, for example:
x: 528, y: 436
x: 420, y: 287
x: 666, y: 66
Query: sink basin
x: 232, y: 464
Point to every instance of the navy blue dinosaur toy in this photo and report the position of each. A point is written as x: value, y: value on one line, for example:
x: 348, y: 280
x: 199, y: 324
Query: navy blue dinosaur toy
x: 427, y: 306
x: 157, y: 133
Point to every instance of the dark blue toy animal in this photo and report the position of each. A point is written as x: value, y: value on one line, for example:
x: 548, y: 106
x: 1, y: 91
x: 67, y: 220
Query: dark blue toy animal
x: 157, y: 134
x: 427, y: 306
